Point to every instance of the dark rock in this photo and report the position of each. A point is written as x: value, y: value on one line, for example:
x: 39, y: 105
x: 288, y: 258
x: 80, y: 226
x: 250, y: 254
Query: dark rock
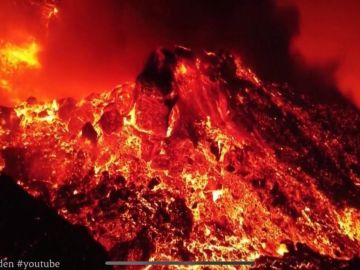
x: 120, y: 180
x: 184, y: 253
x: 230, y: 168
x: 8, y: 118
x: 31, y: 100
x: 31, y: 231
x: 139, y: 248
x: 279, y: 199
x: 181, y: 217
x: 153, y: 182
x: 111, y: 121
x: 258, y: 182
x: 214, y: 148
x: 89, y: 132
x: 15, y: 163
x: 66, y: 108
x: 158, y: 71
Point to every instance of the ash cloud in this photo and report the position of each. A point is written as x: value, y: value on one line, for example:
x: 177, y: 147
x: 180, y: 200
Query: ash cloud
x: 96, y: 44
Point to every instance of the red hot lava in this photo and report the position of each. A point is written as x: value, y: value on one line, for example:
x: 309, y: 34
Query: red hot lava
x: 197, y: 160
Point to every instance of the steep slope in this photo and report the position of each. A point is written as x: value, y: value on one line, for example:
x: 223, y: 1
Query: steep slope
x: 197, y: 160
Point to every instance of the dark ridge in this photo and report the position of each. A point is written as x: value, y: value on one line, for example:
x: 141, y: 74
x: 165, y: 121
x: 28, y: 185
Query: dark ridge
x: 158, y: 71
x: 30, y: 231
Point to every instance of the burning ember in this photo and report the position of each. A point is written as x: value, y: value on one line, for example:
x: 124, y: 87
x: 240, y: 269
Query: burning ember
x: 197, y: 160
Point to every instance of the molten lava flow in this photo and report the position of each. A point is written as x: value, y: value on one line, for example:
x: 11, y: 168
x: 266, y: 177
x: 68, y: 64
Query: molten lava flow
x: 197, y: 160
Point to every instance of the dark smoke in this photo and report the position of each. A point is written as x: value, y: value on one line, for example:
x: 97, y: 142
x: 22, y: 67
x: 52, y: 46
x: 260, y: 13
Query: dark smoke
x: 96, y: 44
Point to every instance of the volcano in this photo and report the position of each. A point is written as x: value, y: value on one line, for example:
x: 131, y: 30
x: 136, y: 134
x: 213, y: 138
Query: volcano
x: 198, y: 160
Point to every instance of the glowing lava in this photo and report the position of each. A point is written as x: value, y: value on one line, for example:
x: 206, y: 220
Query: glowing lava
x: 197, y: 160
x: 14, y: 57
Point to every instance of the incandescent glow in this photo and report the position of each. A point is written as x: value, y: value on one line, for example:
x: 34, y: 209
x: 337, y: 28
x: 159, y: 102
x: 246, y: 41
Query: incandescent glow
x: 216, y: 194
x: 13, y: 57
x: 182, y: 69
x: 282, y: 249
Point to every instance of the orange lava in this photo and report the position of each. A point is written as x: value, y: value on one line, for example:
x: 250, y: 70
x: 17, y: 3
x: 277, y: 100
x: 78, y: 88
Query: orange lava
x: 187, y: 167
